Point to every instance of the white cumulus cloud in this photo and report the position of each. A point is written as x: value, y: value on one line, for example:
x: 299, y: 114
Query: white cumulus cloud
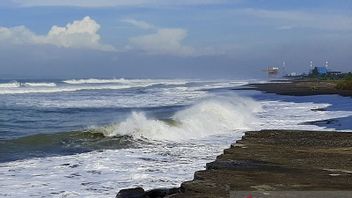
x: 81, y: 34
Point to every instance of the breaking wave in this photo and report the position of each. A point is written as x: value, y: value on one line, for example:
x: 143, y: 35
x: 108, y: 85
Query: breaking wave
x: 209, y: 117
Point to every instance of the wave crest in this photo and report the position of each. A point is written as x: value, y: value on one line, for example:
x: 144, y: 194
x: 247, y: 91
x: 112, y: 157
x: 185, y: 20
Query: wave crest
x: 209, y: 117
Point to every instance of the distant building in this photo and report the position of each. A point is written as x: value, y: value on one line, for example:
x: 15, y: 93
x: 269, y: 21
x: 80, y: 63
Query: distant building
x: 321, y: 70
x: 334, y: 73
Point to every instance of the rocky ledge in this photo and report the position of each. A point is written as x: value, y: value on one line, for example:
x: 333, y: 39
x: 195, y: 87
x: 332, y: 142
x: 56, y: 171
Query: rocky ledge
x: 272, y: 160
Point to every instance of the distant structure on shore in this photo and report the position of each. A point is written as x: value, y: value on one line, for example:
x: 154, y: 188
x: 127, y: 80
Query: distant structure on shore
x: 271, y: 70
x: 314, y: 71
x: 322, y: 70
x: 275, y: 71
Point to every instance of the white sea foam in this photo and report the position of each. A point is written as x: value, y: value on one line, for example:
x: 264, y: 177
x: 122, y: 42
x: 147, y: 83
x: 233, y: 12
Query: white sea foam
x: 103, y: 174
x: 291, y: 115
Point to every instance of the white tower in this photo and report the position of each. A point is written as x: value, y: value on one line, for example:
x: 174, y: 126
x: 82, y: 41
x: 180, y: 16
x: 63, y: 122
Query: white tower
x: 311, y: 65
x: 284, y: 68
x: 326, y: 64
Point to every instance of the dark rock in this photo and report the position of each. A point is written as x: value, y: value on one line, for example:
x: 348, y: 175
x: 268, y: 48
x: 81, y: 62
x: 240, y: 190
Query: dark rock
x: 277, y: 160
x: 131, y: 193
x: 240, y: 165
x: 140, y: 193
x: 270, y: 160
x: 162, y: 192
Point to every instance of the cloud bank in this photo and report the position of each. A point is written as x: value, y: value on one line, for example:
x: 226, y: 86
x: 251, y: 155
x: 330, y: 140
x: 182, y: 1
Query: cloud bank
x: 80, y: 34
x: 301, y: 19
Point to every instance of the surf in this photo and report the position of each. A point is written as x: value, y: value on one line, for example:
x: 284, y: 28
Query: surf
x: 212, y: 116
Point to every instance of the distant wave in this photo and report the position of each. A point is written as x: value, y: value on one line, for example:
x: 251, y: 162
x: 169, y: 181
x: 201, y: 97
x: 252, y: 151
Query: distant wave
x: 23, y: 88
x: 54, y: 89
x: 139, y: 82
x: 12, y: 84
x: 15, y: 87
x: 15, y: 84
x: 39, y: 84
x: 94, y: 81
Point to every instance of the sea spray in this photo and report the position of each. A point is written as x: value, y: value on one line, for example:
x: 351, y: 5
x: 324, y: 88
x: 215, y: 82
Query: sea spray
x: 209, y: 117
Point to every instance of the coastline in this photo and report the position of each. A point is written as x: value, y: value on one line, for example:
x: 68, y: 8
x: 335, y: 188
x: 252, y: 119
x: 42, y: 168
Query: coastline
x: 271, y: 160
x: 298, y: 88
x: 274, y: 160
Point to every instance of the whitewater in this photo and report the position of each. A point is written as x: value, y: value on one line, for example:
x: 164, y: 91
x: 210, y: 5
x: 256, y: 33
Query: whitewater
x: 93, y: 137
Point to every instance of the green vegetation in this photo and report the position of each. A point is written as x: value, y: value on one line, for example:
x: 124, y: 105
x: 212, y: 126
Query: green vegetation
x: 314, y: 75
x: 345, y: 83
x: 343, y: 80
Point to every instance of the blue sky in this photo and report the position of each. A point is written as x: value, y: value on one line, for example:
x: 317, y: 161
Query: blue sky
x: 162, y: 39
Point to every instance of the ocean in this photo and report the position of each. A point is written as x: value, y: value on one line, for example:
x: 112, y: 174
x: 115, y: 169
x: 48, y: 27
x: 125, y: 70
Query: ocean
x: 93, y: 137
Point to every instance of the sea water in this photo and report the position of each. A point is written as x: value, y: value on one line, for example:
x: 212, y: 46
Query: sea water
x: 93, y: 137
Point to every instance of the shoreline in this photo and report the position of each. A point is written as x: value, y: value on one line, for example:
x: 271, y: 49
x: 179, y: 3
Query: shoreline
x: 297, y: 88
x: 271, y: 160
x: 274, y: 160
